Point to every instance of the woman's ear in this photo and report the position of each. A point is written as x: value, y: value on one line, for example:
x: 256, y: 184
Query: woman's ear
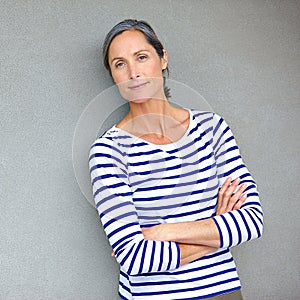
x: 164, y: 60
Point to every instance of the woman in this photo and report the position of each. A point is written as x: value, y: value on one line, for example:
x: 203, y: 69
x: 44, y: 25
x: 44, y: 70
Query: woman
x: 172, y: 191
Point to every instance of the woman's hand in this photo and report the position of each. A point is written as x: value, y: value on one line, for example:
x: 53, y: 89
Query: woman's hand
x: 227, y: 199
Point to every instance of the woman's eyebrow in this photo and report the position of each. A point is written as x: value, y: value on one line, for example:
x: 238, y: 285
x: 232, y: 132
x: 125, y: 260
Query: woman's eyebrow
x: 137, y: 52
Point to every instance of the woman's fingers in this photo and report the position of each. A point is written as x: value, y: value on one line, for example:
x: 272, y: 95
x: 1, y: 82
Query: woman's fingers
x: 236, y: 199
x: 221, y: 203
x: 233, y: 197
x: 240, y: 202
x: 227, y: 199
x: 230, y: 198
x: 224, y: 200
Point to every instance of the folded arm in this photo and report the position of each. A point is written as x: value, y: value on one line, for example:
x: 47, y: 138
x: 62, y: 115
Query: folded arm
x: 205, y: 232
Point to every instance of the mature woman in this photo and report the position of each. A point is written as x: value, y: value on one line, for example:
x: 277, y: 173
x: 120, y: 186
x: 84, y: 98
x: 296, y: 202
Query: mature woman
x: 172, y: 191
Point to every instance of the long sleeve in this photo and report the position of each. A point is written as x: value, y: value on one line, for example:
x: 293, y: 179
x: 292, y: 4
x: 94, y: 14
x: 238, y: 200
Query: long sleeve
x: 241, y: 225
x: 114, y: 200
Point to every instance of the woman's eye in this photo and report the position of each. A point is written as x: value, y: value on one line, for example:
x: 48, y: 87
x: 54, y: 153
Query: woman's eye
x: 142, y: 57
x: 119, y: 64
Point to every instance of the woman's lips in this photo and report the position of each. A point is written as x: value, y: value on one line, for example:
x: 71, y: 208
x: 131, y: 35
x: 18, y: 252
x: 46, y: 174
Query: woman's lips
x: 137, y: 86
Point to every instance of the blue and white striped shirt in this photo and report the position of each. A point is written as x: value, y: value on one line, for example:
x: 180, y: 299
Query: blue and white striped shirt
x: 138, y: 184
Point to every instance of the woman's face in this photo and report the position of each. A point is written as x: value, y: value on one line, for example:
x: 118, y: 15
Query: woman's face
x: 136, y: 67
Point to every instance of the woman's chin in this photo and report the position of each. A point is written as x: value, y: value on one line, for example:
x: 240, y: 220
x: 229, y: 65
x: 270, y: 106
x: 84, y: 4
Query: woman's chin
x: 139, y: 100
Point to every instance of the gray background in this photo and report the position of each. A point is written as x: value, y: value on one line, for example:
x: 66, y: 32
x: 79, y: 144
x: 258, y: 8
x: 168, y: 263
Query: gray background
x: 242, y: 56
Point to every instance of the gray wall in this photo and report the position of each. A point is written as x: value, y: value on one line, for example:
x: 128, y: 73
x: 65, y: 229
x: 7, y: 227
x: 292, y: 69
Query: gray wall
x: 242, y: 56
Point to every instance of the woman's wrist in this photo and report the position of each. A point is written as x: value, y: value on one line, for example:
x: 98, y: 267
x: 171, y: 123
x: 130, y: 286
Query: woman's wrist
x: 156, y: 233
x: 189, y: 253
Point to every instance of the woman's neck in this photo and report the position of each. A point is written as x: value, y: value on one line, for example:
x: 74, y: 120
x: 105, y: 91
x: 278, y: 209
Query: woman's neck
x: 156, y: 121
x: 151, y: 106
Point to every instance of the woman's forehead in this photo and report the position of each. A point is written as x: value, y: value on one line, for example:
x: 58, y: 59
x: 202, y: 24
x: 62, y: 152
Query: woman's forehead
x: 129, y: 40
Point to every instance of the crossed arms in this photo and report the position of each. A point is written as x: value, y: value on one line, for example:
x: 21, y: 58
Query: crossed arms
x: 198, y: 238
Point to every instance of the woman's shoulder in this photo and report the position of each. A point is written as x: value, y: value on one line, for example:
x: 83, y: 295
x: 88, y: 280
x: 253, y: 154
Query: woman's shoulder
x: 108, y: 133
x: 206, y: 115
x: 114, y: 138
x: 107, y: 137
x: 208, y: 120
x: 202, y: 116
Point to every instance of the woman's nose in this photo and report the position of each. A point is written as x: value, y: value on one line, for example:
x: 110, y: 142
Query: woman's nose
x: 134, y: 72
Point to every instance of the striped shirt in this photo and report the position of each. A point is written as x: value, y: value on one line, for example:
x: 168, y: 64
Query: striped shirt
x: 138, y: 184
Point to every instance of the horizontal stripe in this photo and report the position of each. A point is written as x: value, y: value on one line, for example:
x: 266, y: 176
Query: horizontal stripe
x: 177, y: 195
x: 182, y: 281
x: 177, y: 185
x: 179, y: 290
x: 187, y: 174
x: 176, y: 167
x: 220, y: 262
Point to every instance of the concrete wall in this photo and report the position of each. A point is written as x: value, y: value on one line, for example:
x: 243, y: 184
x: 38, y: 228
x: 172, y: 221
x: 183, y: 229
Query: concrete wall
x: 242, y: 56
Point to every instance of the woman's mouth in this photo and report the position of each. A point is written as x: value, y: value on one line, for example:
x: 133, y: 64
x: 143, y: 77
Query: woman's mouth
x: 137, y: 86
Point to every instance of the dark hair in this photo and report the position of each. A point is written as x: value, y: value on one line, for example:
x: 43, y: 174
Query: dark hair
x: 150, y: 35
